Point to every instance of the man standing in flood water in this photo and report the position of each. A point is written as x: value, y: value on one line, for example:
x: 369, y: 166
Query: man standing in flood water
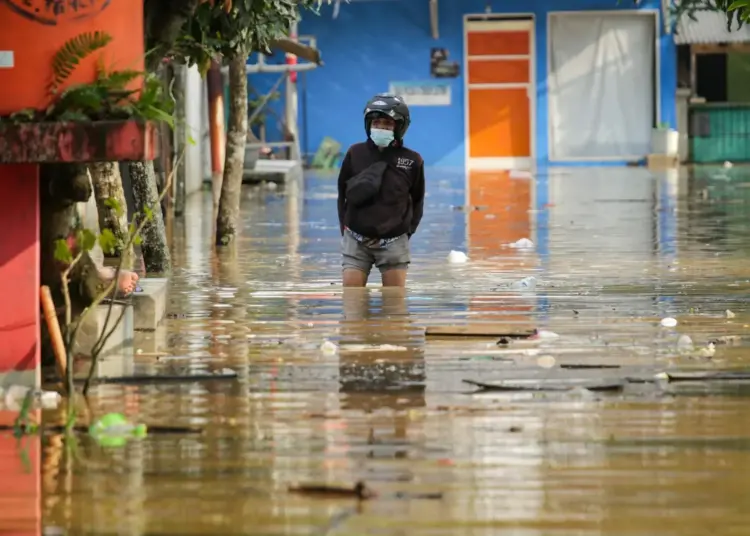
x: 376, y: 225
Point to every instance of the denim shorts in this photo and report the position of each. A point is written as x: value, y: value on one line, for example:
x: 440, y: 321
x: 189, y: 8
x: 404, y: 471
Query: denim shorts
x: 395, y: 256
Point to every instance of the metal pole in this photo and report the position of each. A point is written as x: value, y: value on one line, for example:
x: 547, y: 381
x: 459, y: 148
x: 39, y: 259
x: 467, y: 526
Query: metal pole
x: 215, y: 87
x: 291, y: 114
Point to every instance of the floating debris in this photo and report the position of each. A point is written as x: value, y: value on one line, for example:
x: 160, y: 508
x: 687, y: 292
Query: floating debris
x: 371, y: 348
x: 730, y: 314
x: 223, y: 375
x: 546, y: 361
x: 13, y: 396
x: 701, y: 376
x: 329, y: 348
x: 523, y: 244
x: 114, y: 430
x: 668, y: 322
x: 685, y: 344
x: 542, y: 387
x: 457, y: 257
x: 359, y: 491
x: 584, y: 366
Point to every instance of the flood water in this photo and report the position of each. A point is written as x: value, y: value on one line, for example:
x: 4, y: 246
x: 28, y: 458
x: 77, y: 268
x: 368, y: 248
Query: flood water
x: 616, y: 251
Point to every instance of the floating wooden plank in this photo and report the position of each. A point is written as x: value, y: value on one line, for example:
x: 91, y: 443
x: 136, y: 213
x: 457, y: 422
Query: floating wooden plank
x: 224, y: 375
x: 546, y: 387
x: 700, y: 376
x: 587, y: 366
x: 487, y: 329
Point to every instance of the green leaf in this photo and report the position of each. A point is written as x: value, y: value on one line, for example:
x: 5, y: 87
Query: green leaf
x: 115, y: 205
x: 62, y: 251
x: 191, y: 140
x: 138, y: 240
x: 86, y: 240
x: 148, y: 213
x: 108, y: 242
x: 74, y: 50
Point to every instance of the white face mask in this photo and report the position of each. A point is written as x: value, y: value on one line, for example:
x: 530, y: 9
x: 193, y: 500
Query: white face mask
x: 382, y: 137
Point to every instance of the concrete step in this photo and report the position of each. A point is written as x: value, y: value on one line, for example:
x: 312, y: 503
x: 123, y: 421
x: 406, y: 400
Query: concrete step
x: 120, y: 343
x: 150, y: 305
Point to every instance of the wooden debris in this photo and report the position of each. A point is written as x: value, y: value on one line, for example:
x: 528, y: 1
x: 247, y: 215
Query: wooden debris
x: 164, y: 378
x: 706, y: 376
x: 584, y: 366
x: 519, y: 331
x: 359, y: 491
x: 546, y: 387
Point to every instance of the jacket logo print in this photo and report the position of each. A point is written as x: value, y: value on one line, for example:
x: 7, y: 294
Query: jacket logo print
x: 404, y: 163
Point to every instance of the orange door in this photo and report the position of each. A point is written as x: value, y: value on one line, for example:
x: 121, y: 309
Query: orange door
x: 499, y: 85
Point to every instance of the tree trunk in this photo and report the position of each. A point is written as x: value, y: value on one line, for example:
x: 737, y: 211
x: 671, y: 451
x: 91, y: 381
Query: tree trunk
x: 61, y: 187
x: 107, y: 183
x: 180, y: 135
x: 231, y: 187
x: 156, y: 255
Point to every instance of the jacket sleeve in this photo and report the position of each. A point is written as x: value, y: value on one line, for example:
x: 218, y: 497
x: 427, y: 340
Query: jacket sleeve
x: 344, y: 175
x: 417, y: 199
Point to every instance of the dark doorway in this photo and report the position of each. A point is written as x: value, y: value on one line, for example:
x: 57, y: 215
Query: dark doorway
x: 712, y: 77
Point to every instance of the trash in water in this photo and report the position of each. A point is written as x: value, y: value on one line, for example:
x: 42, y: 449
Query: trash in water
x: 730, y: 314
x: 668, y: 322
x: 358, y: 491
x: 487, y: 358
x: 371, y: 348
x: 707, y: 351
x: 13, y: 396
x: 587, y: 366
x: 543, y: 386
x: 546, y: 361
x: 685, y: 344
x: 527, y: 283
x: 522, y: 244
x: 545, y: 335
x: 701, y: 376
x: 114, y: 430
x: 457, y: 257
x: 329, y: 348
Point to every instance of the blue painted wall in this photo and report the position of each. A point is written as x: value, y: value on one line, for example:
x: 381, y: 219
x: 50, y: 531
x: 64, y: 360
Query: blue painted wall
x: 373, y: 43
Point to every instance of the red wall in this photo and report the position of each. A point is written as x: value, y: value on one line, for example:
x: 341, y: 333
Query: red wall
x: 19, y: 267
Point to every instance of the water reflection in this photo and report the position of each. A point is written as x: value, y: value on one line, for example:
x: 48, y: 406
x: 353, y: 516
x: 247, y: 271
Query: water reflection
x: 616, y: 250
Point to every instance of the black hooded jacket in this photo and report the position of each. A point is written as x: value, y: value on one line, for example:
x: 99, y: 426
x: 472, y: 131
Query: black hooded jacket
x: 397, y: 208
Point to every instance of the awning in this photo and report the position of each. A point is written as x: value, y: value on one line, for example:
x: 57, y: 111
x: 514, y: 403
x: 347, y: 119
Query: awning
x: 710, y: 28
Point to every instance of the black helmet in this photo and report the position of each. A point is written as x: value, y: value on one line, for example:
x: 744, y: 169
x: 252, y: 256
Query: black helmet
x: 389, y: 105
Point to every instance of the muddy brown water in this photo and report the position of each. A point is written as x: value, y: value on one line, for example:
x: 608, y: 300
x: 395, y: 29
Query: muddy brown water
x: 616, y: 251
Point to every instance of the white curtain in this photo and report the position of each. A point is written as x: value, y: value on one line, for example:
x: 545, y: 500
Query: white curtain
x: 601, y: 85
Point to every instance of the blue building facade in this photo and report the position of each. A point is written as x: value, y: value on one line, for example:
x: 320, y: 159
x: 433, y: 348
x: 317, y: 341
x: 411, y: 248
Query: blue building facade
x: 373, y: 46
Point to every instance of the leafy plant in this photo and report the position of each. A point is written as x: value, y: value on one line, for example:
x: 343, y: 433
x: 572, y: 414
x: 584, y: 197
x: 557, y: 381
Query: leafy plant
x: 737, y: 11
x: 114, y: 95
x: 86, y: 240
x: 72, y: 52
x: 226, y: 28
